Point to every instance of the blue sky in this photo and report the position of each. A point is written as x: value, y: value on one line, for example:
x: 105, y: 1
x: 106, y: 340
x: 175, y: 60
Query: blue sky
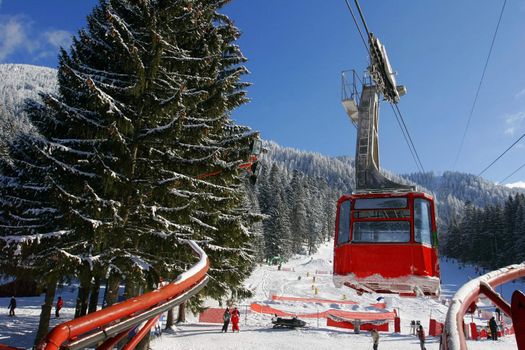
x: 298, y: 48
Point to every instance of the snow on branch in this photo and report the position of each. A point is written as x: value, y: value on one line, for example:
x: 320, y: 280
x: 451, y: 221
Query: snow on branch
x: 202, y: 224
x: 159, y: 129
x: 20, y: 239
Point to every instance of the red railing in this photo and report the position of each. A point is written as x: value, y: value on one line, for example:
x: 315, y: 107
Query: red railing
x: 112, y: 324
x: 453, y: 337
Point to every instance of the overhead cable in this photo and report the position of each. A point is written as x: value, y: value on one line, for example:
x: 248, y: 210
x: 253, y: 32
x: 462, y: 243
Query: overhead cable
x: 501, y: 155
x: 479, y: 86
x: 363, y: 18
x: 514, y: 172
x: 357, y: 25
x: 406, y: 135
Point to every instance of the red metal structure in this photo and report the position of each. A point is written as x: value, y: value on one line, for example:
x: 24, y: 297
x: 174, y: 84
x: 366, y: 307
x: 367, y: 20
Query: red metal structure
x: 251, y: 167
x: 387, y: 242
x: 454, y: 336
x: 105, y: 328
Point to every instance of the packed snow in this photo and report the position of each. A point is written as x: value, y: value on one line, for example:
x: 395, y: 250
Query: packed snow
x: 295, y: 279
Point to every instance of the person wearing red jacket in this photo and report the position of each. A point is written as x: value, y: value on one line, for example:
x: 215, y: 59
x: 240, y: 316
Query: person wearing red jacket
x: 60, y: 303
x: 235, y: 320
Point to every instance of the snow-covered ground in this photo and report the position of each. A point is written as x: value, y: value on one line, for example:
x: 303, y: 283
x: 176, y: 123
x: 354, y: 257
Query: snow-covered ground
x: 296, y: 280
x: 257, y: 332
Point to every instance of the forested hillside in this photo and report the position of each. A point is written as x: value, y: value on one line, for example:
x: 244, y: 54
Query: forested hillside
x: 297, y: 190
x: 490, y: 237
x: 18, y: 83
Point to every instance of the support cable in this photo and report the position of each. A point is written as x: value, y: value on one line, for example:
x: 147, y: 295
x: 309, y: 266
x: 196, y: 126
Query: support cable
x: 410, y: 138
x: 479, y: 86
x: 514, y: 172
x: 357, y: 25
x: 363, y: 17
x: 406, y: 138
x: 501, y: 155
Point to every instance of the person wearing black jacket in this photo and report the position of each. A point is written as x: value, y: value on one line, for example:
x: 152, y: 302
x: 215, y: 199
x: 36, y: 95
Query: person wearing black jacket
x: 12, y: 306
x: 493, y: 328
x: 226, y: 318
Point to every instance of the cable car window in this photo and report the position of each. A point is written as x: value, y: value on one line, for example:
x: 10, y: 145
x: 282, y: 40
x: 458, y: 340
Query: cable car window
x: 422, y: 221
x: 382, y: 214
x: 343, y: 234
x: 380, y: 203
x: 381, y: 231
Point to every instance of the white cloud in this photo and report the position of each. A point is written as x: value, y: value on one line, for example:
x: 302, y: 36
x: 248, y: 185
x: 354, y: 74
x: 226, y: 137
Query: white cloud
x: 520, y: 94
x: 17, y: 36
x: 13, y: 35
x: 514, y: 122
x: 58, y: 38
x: 519, y: 184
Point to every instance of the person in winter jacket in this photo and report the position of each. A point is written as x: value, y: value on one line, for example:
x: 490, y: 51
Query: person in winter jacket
x: 375, y: 338
x: 12, y: 306
x: 226, y: 318
x: 59, y: 305
x: 421, y: 337
x: 493, y: 328
x: 235, y: 320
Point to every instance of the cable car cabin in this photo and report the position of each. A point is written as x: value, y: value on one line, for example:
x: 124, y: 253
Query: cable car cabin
x: 387, y: 242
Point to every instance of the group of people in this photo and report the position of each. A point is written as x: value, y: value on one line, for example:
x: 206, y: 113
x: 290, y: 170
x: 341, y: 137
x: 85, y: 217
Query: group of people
x: 420, y: 336
x: 232, y: 316
x: 12, y: 306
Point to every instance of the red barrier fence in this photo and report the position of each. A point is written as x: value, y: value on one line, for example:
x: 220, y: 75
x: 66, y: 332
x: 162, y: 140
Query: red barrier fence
x: 348, y: 315
x: 118, y: 320
x: 435, y: 328
x: 313, y: 300
x: 365, y: 326
x: 212, y: 315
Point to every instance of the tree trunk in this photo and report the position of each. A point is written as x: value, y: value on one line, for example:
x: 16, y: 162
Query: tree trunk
x: 93, y: 297
x: 130, y: 289
x: 182, y: 313
x: 169, y: 319
x: 83, y: 294
x: 45, y: 315
x: 112, y: 289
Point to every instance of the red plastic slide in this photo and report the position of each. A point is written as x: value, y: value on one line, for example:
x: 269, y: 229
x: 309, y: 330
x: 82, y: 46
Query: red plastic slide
x: 114, y: 323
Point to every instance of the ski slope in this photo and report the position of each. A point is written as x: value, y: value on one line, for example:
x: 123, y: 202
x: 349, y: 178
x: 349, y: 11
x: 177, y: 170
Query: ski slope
x: 296, y: 279
x: 256, y: 329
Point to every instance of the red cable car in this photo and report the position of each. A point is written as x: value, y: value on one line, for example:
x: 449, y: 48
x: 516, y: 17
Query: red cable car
x: 385, y: 239
x: 387, y: 242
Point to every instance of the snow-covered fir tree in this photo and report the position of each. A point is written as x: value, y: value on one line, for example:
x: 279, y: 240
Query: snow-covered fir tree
x: 142, y: 117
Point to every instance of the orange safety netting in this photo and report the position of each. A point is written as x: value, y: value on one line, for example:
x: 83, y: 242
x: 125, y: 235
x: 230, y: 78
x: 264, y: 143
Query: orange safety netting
x: 364, y: 316
x: 313, y: 300
x: 212, y: 315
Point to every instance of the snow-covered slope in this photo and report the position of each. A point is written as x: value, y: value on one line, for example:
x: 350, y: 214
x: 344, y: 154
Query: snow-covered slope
x: 296, y: 279
x: 18, y: 83
x: 256, y: 331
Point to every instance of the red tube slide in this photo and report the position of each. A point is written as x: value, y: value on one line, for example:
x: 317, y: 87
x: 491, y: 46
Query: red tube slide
x: 97, y: 321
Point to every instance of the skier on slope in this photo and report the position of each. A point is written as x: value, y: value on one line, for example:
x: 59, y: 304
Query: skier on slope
x: 235, y: 320
x: 226, y: 318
